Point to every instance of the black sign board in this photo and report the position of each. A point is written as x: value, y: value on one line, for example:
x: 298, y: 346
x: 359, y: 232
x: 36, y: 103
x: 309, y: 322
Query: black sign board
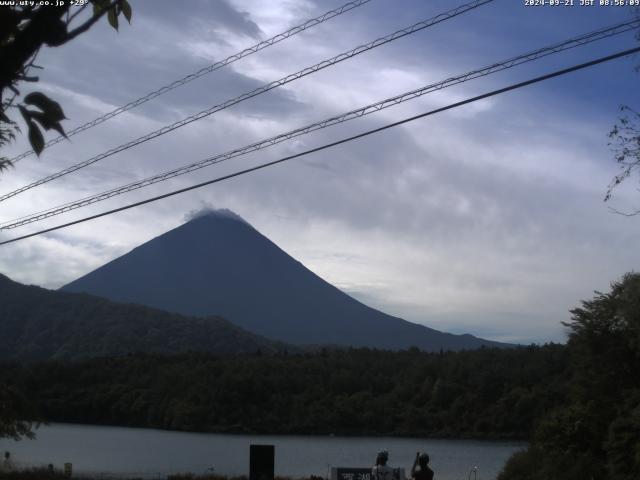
x: 261, y: 462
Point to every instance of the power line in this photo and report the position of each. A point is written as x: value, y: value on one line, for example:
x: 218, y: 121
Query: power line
x: 204, y: 71
x: 600, y: 34
x: 265, y: 88
x: 527, y: 57
x: 548, y: 76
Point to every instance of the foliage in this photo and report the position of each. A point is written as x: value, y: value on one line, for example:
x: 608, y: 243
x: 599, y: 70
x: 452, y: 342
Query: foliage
x: 14, y: 408
x: 596, y: 432
x: 487, y: 393
x: 25, y: 28
x: 625, y: 141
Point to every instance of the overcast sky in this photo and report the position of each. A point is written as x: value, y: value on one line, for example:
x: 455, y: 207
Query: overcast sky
x: 487, y: 219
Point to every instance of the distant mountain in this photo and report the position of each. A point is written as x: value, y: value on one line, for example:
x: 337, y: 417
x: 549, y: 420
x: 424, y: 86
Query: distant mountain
x: 219, y: 264
x: 39, y: 324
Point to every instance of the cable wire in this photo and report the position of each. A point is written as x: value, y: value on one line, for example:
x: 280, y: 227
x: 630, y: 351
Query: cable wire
x: 353, y: 114
x: 204, y: 71
x: 541, y: 78
x: 265, y: 88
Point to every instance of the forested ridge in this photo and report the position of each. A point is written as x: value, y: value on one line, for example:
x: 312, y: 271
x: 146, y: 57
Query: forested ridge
x: 41, y: 324
x: 488, y: 393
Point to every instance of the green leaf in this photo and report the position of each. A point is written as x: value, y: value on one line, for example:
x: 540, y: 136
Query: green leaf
x: 112, y: 18
x: 51, y: 108
x: 35, y: 135
x: 5, y: 163
x: 48, y: 123
x: 35, y: 138
x: 26, y: 114
x: 99, y: 6
x: 126, y: 9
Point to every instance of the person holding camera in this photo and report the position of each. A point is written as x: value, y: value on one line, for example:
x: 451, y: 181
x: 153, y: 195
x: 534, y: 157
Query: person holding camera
x: 382, y: 471
x: 420, y: 469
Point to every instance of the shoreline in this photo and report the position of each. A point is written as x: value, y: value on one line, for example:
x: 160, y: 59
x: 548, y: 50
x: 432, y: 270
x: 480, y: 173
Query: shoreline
x: 43, y: 473
x: 479, y: 439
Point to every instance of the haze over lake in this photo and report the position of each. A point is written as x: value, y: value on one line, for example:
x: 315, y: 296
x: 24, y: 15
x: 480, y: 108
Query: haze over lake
x: 152, y: 453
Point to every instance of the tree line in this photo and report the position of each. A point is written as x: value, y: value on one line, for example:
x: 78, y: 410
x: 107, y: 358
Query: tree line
x: 487, y: 393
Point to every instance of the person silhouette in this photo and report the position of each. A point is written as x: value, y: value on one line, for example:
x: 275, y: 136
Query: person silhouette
x: 424, y: 472
x: 382, y: 471
x: 7, y: 463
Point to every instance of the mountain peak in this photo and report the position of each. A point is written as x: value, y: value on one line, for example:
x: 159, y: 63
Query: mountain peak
x: 215, y: 213
x: 212, y: 265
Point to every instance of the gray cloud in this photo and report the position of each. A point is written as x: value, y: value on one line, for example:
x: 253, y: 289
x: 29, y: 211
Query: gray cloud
x: 208, y: 209
x: 123, y: 69
x: 199, y: 16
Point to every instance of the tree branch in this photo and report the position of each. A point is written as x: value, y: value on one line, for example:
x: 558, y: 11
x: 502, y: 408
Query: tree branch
x: 77, y: 13
x: 87, y: 25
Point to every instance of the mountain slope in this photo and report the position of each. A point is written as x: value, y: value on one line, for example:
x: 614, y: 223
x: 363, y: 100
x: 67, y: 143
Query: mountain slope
x: 219, y: 264
x: 40, y: 324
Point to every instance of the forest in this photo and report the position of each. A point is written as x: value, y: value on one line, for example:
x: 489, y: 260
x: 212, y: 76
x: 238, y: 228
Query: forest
x: 487, y: 393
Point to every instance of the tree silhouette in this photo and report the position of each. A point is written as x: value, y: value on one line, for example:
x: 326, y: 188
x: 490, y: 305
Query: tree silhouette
x: 16, y: 413
x: 625, y: 143
x: 596, y: 432
x: 24, y: 30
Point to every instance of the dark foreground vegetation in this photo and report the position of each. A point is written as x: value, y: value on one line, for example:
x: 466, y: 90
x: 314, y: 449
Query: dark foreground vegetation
x: 488, y: 393
x: 595, y: 432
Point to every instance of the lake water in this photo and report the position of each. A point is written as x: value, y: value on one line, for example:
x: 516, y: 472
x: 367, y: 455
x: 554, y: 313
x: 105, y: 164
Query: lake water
x: 116, y: 451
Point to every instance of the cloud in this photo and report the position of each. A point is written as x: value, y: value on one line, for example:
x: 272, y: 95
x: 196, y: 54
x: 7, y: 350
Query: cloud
x: 208, y: 210
x: 201, y: 15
